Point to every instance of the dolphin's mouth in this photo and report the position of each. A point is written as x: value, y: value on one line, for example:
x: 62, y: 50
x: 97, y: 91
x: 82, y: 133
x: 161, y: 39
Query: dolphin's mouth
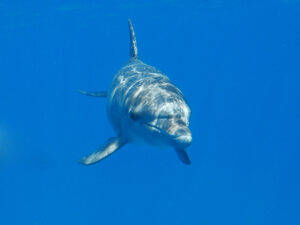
x: 185, y: 140
x: 154, y: 127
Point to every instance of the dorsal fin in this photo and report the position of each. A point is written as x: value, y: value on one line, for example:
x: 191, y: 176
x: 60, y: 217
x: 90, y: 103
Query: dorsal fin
x: 133, y: 46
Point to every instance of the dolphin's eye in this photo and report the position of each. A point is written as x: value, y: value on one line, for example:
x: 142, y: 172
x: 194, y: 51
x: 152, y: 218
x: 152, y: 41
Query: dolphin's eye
x: 141, y: 116
x: 180, y: 122
x: 134, y: 116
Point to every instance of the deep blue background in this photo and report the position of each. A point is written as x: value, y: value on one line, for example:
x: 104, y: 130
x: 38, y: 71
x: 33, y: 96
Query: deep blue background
x: 237, y: 63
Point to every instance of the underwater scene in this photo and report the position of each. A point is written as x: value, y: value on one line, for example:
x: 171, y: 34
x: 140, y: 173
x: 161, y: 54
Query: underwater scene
x: 169, y: 112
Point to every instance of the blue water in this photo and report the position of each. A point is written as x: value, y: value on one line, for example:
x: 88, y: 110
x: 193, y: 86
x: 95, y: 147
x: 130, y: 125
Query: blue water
x: 237, y: 63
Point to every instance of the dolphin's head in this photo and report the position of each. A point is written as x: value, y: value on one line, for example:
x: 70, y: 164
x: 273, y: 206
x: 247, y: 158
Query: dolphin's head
x: 167, y: 129
x: 162, y: 119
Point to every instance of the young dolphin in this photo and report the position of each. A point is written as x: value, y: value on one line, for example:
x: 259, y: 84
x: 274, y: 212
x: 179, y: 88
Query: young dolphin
x: 144, y: 106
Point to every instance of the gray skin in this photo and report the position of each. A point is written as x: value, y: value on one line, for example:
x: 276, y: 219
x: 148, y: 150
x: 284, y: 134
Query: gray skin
x: 143, y: 106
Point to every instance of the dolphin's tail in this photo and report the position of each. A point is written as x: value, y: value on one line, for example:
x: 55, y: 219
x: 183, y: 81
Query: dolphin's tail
x: 133, y: 45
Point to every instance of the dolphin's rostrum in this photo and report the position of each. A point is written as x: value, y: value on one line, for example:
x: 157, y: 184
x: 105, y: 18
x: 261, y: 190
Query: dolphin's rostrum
x: 144, y: 106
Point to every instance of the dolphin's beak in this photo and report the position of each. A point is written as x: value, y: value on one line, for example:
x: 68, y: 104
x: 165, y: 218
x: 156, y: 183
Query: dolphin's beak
x: 183, y: 137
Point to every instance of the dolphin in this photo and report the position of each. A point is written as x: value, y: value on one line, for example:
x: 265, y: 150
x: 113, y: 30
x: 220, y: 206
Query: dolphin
x: 143, y: 106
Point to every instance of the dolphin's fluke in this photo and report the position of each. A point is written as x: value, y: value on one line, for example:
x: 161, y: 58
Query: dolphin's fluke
x: 133, y: 45
x: 94, y: 94
x: 111, y: 145
x: 183, y: 156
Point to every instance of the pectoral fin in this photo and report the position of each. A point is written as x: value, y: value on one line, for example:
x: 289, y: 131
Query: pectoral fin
x: 183, y: 156
x: 94, y: 94
x: 111, y: 145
